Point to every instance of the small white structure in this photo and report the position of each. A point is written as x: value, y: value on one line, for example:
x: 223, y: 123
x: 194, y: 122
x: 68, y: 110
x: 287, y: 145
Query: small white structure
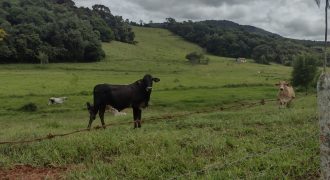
x: 56, y: 100
x: 241, y: 60
x: 114, y: 111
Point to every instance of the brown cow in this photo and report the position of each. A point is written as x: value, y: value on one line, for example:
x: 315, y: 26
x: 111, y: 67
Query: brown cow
x: 286, y: 94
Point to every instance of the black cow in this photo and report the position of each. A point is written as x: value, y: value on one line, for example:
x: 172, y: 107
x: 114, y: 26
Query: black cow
x: 136, y: 95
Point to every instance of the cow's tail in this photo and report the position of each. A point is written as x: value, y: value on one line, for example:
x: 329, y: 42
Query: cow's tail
x: 96, y: 107
x: 88, y: 105
x: 92, y: 108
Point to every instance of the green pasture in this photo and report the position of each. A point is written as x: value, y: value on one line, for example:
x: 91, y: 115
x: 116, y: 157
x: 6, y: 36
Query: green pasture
x: 262, y: 142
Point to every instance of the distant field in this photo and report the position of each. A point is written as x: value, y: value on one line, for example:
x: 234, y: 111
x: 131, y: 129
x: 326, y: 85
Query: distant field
x: 261, y: 142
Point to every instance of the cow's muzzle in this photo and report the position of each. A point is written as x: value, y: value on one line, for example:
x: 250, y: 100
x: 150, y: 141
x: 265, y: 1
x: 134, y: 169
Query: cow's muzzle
x: 148, y: 88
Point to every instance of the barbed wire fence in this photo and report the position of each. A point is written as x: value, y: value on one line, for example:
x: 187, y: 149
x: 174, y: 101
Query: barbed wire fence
x: 218, y: 166
x: 147, y: 120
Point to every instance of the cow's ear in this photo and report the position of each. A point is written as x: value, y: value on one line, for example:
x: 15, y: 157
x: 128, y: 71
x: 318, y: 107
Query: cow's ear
x: 156, y: 79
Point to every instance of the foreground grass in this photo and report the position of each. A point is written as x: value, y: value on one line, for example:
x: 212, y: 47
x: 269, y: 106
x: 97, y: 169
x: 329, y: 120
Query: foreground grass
x: 255, y: 143
x: 281, y: 143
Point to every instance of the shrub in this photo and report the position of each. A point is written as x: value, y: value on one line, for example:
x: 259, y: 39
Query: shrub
x: 304, y: 71
x: 197, y: 58
x: 30, y: 107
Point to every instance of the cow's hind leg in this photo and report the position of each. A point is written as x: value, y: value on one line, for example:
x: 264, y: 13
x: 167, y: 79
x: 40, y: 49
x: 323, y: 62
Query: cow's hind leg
x: 101, y: 114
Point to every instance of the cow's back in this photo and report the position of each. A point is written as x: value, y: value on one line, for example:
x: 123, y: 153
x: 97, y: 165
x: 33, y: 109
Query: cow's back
x: 101, y: 89
x: 117, y: 96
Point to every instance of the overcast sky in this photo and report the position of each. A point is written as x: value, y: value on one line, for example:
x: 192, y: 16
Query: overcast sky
x: 300, y: 19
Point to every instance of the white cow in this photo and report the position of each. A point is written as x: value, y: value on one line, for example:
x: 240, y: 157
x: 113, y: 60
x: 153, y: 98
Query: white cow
x: 57, y: 100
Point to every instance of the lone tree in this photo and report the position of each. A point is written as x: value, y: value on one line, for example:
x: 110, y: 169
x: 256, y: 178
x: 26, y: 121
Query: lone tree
x: 323, y: 96
x: 304, y: 71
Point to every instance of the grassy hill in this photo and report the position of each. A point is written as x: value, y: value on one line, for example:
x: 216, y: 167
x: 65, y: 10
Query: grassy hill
x: 254, y: 143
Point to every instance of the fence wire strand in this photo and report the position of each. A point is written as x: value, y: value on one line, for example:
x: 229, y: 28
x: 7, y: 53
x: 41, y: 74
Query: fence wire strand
x: 215, y: 166
x: 147, y: 120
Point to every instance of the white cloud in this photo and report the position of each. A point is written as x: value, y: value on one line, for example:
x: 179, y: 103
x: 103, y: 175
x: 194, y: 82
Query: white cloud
x: 290, y: 18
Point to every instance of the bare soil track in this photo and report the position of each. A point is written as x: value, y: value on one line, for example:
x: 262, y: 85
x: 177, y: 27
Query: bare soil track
x: 28, y: 172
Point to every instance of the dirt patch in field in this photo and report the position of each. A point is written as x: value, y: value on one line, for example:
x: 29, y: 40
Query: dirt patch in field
x: 28, y: 172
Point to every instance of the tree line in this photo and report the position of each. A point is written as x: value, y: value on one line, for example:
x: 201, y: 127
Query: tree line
x: 57, y: 31
x: 225, y: 38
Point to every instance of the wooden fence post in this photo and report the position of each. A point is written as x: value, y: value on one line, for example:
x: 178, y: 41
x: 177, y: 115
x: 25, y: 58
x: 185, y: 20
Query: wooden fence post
x: 323, y: 98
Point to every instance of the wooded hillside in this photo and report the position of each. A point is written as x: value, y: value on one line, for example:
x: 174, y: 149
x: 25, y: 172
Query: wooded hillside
x: 57, y: 31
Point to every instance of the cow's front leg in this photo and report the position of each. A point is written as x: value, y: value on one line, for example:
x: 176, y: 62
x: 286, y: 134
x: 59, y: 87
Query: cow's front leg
x: 281, y: 105
x: 101, y: 114
x: 139, y: 118
x: 136, y: 115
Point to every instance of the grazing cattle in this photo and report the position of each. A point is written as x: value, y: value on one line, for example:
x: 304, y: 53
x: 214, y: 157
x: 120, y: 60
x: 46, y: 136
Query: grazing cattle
x: 57, y: 100
x: 135, y: 95
x: 286, y: 94
x: 114, y: 111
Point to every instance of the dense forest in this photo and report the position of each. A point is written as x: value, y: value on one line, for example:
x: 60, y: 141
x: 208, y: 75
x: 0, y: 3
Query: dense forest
x: 229, y: 39
x: 42, y: 31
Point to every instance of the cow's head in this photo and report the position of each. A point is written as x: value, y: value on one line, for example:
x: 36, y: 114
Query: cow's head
x: 282, y: 84
x: 91, y: 110
x: 51, y: 101
x: 148, y: 81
